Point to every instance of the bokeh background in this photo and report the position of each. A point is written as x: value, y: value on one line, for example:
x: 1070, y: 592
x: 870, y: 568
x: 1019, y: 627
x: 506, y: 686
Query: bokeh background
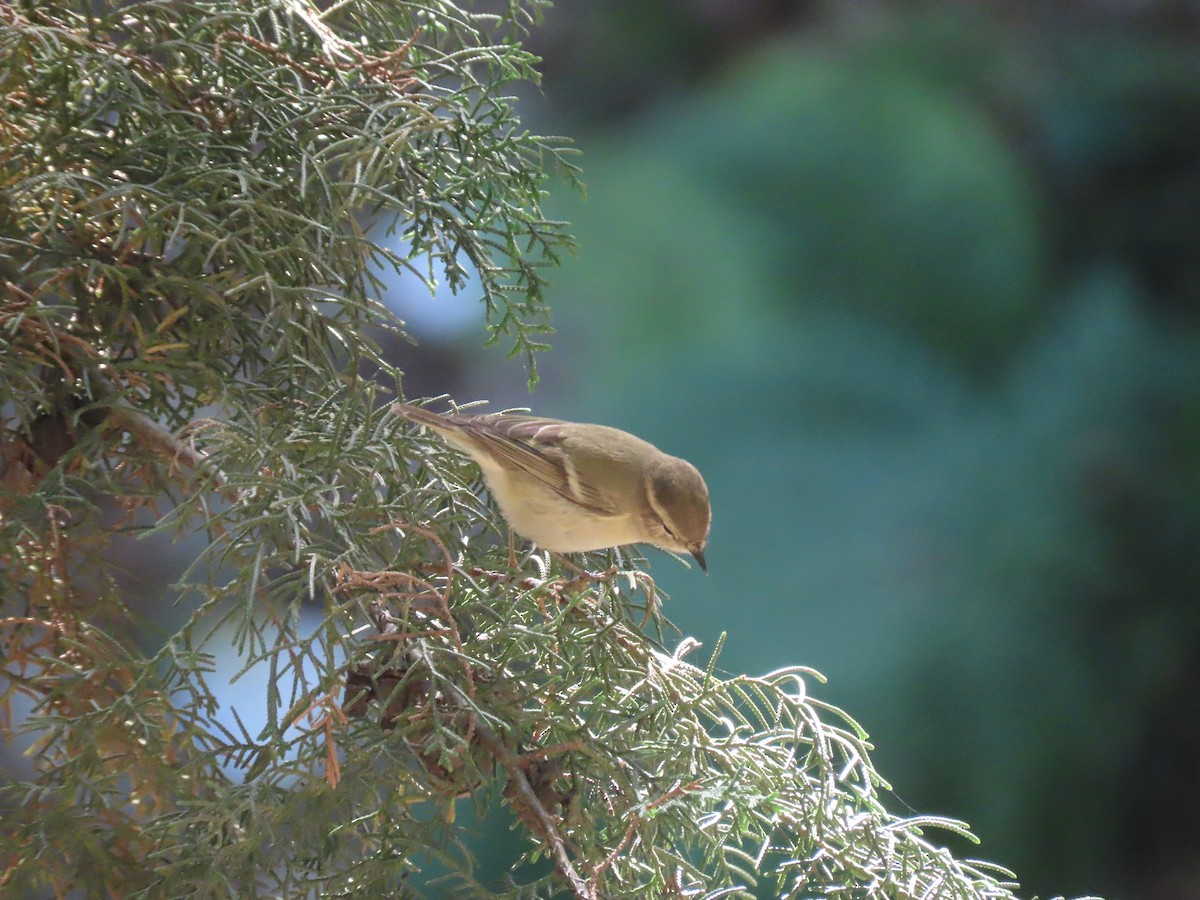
x: 917, y: 287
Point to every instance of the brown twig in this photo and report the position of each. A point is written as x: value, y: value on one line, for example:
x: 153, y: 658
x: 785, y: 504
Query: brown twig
x: 75, y: 358
x: 155, y: 437
x: 631, y: 830
x: 527, y: 796
x: 386, y: 68
x: 515, y: 765
x: 443, y: 596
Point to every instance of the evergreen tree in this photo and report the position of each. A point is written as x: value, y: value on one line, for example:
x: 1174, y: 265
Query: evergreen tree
x: 186, y: 315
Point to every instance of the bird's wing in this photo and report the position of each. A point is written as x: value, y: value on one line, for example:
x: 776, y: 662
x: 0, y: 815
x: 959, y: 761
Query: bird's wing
x: 535, y: 445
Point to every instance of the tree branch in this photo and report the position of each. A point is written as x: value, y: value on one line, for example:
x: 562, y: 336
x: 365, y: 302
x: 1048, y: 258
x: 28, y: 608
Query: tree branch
x: 529, y: 799
x: 153, y: 435
x: 513, y: 764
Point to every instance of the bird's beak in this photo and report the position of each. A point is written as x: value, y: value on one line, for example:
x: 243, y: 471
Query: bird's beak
x: 699, y: 557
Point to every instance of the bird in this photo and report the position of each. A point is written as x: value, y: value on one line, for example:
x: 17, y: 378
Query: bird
x: 572, y: 487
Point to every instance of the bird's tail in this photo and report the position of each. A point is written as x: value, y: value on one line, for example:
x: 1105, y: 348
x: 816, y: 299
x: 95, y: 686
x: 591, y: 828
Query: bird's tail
x: 420, y: 415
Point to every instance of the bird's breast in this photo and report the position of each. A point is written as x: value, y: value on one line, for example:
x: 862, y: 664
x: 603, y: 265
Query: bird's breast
x: 553, y: 522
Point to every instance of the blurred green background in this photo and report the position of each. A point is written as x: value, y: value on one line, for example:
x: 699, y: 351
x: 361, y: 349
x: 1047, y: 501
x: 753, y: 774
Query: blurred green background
x: 917, y: 287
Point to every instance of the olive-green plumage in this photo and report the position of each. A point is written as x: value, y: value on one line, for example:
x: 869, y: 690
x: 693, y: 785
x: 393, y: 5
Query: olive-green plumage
x: 571, y: 487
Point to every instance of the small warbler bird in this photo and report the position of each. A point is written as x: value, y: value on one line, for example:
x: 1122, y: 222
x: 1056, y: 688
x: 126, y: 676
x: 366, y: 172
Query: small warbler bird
x: 571, y: 487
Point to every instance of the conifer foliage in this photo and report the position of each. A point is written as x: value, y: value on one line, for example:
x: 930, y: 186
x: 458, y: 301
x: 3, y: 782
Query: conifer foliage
x: 186, y: 306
